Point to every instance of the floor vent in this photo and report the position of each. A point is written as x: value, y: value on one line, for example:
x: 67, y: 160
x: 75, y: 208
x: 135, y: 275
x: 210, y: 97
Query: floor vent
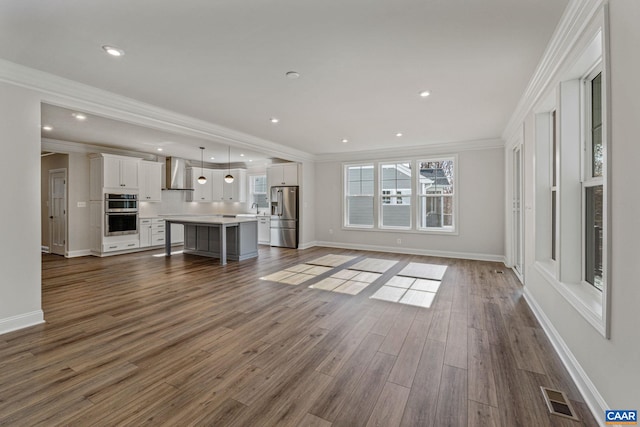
x: 498, y: 271
x: 558, y: 403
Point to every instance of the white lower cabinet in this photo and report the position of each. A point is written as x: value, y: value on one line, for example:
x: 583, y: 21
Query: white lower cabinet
x: 264, y: 231
x: 152, y: 232
x: 120, y: 246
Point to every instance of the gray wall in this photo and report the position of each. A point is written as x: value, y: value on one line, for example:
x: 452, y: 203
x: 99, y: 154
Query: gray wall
x: 480, y: 187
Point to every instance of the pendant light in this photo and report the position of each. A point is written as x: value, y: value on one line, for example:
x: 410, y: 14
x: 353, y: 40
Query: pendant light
x: 202, y: 179
x: 229, y: 178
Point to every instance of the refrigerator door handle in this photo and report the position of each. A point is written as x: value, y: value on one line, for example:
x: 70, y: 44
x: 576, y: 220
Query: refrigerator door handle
x: 280, y: 201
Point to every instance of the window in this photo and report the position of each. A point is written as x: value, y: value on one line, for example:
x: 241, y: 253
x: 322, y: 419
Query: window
x: 258, y: 190
x: 593, y: 190
x: 387, y: 195
x: 395, y: 185
x: 359, y: 191
x: 436, y: 191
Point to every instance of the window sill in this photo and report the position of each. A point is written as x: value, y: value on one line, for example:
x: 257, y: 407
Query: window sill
x: 402, y: 230
x: 583, y: 297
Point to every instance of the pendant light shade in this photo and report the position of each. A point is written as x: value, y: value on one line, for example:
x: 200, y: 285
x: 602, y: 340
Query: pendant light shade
x: 229, y: 178
x: 202, y: 179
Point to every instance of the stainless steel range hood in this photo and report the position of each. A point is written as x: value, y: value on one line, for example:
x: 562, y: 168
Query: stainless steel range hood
x: 176, y: 174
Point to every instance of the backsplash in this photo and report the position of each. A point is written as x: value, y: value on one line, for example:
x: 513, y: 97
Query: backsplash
x: 174, y: 203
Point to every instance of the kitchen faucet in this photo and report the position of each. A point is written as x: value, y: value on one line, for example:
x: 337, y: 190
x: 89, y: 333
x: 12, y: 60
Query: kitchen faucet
x: 256, y: 206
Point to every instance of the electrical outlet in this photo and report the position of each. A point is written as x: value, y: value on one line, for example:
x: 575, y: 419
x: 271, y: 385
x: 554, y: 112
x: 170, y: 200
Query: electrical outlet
x: 399, y: 241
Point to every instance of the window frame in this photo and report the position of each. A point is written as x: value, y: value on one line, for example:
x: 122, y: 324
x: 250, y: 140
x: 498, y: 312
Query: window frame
x: 252, y: 191
x: 380, y: 205
x: 414, y: 198
x: 454, y: 195
x: 346, y: 195
x: 588, y: 180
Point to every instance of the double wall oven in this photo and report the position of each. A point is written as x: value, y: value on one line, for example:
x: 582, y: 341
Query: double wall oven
x: 120, y: 214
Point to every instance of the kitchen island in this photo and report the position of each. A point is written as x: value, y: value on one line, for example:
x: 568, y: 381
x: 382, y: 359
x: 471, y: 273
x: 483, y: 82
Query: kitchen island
x: 218, y: 237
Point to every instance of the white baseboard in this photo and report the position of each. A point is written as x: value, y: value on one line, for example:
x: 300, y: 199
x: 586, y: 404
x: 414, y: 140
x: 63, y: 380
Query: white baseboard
x: 21, y: 321
x: 44, y: 249
x: 412, y: 251
x: 589, y: 392
x: 82, y: 252
x: 307, y: 245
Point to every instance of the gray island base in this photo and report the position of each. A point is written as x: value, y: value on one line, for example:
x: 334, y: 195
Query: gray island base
x: 217, y: 237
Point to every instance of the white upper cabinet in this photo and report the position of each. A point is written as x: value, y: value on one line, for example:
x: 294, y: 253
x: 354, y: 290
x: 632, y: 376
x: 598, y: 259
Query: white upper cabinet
x: 150, y: 181
x: 121, y: 172
x: 201, y: 192
x: 217, y: 184
x: 113, y: 173
x: 237, y: 190
x: 282, y: 174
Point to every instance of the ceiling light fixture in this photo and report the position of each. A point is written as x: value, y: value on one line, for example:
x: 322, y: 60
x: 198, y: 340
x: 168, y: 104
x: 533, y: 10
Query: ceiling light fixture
x: 229, y: 178
x: 79, y: 116
x: 399, y: 134
x: 159, y: 149
x: 47, y: 128
x: 344, y: 141
x: 202, y: 179
x: 274, y: 120
x: 241, y: 155
x: 212, y: 158
x: 292, y: 75
x: 113, y: 51
x: 425, y: 93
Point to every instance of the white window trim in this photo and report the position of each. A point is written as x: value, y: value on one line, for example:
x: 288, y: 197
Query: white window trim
x: 414, y: 229
x: 379, y: 204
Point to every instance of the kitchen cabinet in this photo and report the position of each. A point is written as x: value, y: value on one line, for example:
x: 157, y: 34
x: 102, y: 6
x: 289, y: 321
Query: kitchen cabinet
x: 150, y: 181
x: 264, y: 230
x: 113, y: 173
x: 237, y: 190
x: 152, y: 232
x: 201, y: 192
x: 282, y: 174
x: 217, y: 184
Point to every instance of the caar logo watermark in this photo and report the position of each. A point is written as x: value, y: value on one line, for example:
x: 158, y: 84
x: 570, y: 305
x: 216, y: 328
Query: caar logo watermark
x: 621, y: 417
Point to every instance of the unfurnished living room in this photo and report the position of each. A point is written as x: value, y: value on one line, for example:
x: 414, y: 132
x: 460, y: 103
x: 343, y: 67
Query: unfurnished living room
x: 290, y: 213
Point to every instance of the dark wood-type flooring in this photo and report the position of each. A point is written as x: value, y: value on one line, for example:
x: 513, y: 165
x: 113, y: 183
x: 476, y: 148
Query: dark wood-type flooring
x: 148, y: 340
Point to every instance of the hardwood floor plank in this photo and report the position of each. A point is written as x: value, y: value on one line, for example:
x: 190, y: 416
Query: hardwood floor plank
x: 483, y: 415
x: 357, y: 407
x: 421, y: 406
x: 398, y: 332
x: 456, y: 348
x: 328, y: 403
x: 440, y: 323
x: 452, y: 400
x: 389, y: 407
x: 313, y: 421
x: 482, y: 386
x: 406, y: 365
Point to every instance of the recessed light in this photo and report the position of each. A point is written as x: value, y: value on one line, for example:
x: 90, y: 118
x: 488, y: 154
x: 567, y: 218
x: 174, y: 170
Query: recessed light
x: 399, y: 134
x: 241, y: 155
x: 425, y: 93
x: 344, y: 141
x: 159, y: 149
x: 79, y: 116
x: 212, y: 158
x: 292, y: 75
x: 250, y: 160
x: 274, y: 120
x: 113, y: 51
x: 47, y: 128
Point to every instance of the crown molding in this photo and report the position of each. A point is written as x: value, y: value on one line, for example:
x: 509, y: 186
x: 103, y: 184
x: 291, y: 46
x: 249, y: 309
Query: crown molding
x: 67, y: 93
x: 420, y: 150
x: 573, y: 22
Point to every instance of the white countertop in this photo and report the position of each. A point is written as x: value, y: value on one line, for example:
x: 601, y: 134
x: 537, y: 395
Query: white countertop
x: 214, y: 220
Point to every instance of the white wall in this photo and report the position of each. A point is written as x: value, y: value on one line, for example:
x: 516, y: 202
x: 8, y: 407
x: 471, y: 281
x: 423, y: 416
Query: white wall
x: 307, y: 205
x: 20, y: 277
x: 607, y: 369
x: 480, y: 187
x: 79, y: 242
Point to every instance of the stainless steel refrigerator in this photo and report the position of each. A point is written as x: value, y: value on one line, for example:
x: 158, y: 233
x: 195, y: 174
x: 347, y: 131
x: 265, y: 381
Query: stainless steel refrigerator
x: 284, y: 216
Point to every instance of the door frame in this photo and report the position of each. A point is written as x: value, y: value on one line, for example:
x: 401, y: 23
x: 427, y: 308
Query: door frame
x: 517, y: 212
x: 53, y: 172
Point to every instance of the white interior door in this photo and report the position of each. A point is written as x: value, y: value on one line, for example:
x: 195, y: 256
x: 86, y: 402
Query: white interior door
x: 58, y: 211
x: 517, y: 232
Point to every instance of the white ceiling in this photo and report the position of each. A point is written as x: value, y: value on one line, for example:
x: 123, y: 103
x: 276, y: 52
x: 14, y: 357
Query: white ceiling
x: 362, y: 63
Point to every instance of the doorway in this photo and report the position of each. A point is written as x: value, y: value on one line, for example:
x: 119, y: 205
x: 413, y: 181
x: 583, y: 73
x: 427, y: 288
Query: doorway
x: 58, y: 211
